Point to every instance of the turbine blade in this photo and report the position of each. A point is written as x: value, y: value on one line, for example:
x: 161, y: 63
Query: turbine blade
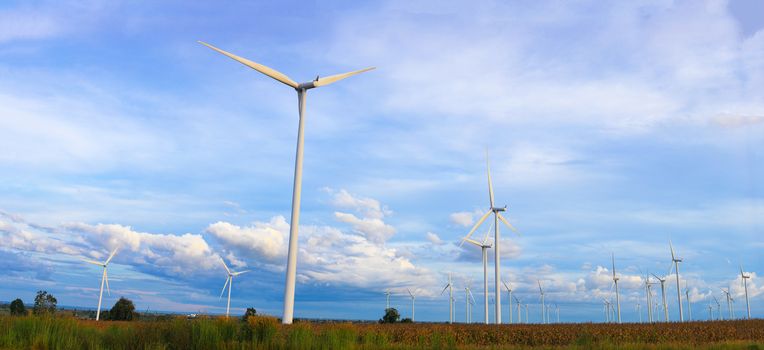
x: 91, y: 262
x: 490, y: 183
x: 613, y: 256
x: 256, y: 66
x: 507, y: 223
x: 409, y: 290
x: 224, y: 285
x: 505, y: 285
x: 333, y: 78
x: 111, y: 256
x: 106, y: 279
x: 226, y: 266
x: 444, y: 288
x: 470, y: 240
x: 477, y: 224
x: 672, y: 251
x: 240, y: 272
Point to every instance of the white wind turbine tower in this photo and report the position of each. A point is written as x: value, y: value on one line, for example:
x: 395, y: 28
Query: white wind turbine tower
x: 557, y: 308
x: 543, y: 306
x: 469, y: 300
x: 718, y: 308
x: 649, y: 296
x: 412, y: 304
x: 450, y: 288
x: 519, y: 316
x: 729, y: 302
x: 387, y: 299
x: 484, y: 250
x: 687, y: 297
x: 617, y: 295
x: 676, y: 260
x: 745, y: 285
x: 497, y: 255
x: 229, y: 284
x: 710, y: 312
x: 663, y: 295
x: 302, y: 90
x: 639, y: 311
x: 607, y: 309
x: 509, y: 290
x: 104, y: 279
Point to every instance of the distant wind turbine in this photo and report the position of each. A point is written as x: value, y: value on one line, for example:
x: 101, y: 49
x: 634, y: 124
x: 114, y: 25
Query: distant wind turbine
x: 497, y: 255
x: 484, y: 246
x: 729, y: 302
x: 229, y: 284
x: 450, y: 288
x: 607, y: 309
x: 543, y: 313
x: 663, y: 295
x: 412, y: 304
x: 718, y: 308
x: 617, y: 295
x: 387, y: 299
x: 302, y: 89
x: 509, y: 290
x: 519, y: 316
x: 676, y: 260
x: 689, y: 304
x: 745, y: 284
x: 104, y: 279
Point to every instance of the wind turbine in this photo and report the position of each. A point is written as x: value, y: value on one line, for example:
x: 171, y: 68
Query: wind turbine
x: 689, y: 304
x: 710, y: 312
x: 543, y: 314
x: 302, y: 90
x: 412, y: 303
x: 729, y: 302
x: 745, y: 284
x: 497, y: 255
x: 557, y: 307
x: 617, y: 295
x: 676, y: 260
x: 663, y: 295
x: 387, y: 299
x: 519, y: 316
x: 607, y: 310
x: 718, y: 308
x: 639, y: 311
x: 104, y: 279
x: 509, y: 290
x: 450, y: 288
x: 526, y: 313
x: 649, y: 296
x: 229, y: 284
x: 468, y: 300
x: 484, y: 250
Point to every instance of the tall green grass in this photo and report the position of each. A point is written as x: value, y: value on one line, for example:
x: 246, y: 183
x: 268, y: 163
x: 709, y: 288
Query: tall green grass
x: 267, y: 333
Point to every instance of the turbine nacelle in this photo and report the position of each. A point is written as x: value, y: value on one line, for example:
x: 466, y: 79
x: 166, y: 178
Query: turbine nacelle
x: 494, y: 209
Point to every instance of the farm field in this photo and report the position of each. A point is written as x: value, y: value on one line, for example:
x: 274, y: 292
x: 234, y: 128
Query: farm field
x: 267, y: 333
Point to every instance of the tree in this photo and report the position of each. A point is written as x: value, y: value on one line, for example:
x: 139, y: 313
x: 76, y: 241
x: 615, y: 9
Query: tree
x: 17, y: 308
x: 44, y: 303
x: 250, y: 312
x: 407, y: 320
x: 391, y: 316
x: 123, y: 310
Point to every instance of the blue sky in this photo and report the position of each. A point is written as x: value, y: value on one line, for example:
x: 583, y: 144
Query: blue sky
x: 611, y: 127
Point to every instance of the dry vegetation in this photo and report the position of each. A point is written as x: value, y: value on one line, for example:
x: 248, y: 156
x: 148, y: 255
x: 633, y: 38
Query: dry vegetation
x: 266, y: 333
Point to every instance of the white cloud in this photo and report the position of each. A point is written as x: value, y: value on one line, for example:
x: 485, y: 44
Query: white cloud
x: 262, y: 240
x: 369, y: 207
x: 462, y: 218
x: 434, y: 239
x: 375, y: 230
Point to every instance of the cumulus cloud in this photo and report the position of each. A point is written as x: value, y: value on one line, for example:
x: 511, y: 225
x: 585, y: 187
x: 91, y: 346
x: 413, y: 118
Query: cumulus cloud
x: 462, y: 218
x: 370, y: 224
x: 369, y: 207
x: 265, y: 240
x: 434, y: 239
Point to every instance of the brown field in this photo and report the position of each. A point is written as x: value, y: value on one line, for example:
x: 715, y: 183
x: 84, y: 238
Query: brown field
x: 267, y: 333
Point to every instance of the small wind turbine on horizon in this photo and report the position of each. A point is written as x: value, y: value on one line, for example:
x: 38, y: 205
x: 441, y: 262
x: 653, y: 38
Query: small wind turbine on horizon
x: 509, y: 290
x: 302, y: 89
x: 729, y: 302
x: 689, y: 304
x: 450, y: 288
x: 617, y: 295
x: 663, y: 295
x: 519, y: 310
x: 607, y: 309
x: 718, y: 308
x: 745, y: 278
x: 543, y: 312
x: 104, y: 279
x: 497, y: 254
x: 413, y: 298
x: 229, y: 283
x: 387, y: 299
x: 676, y: 260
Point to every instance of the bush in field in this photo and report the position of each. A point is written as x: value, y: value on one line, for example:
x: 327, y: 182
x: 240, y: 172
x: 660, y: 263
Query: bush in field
x: 123, y: 310
x: 17, y: 308
x: 250, y: 312
x: 407, y: 320
x: 391, y: 316
x: 44, y: 303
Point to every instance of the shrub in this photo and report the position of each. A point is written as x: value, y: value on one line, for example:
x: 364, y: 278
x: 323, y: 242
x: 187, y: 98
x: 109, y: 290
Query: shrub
x: 123, y: 310
x: 44, y: 303
x: 17, y: 308
x: 250, y: 312
x: 391, y: 316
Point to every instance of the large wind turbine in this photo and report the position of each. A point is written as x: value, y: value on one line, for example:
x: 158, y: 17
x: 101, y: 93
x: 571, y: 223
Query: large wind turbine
x: 543, y: 312
x: 229, y: 284
x: 745, y: 284
x: 663, y: 295
x: 676, y: 260
x: 412, y: 304
x: 497, y: 255
x: 509, y: 290
x: 450, y: 287
x: 484, y: 250
x: 302, y: 90
x: 104, y: 279
x: 617, y: 296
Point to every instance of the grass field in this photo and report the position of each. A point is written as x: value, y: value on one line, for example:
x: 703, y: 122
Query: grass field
x: 266, y: 333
